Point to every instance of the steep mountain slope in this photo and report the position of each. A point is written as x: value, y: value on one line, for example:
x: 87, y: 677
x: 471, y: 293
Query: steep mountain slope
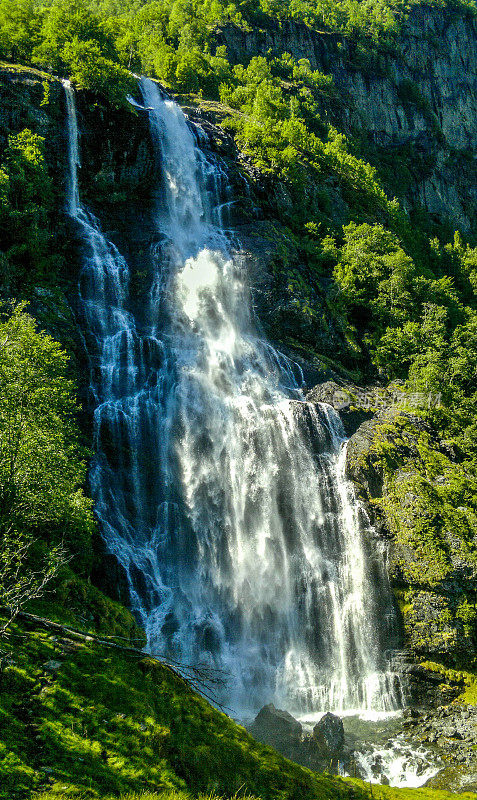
x: 357, y: 287
x: 79, y: 719
x: 412, y: 110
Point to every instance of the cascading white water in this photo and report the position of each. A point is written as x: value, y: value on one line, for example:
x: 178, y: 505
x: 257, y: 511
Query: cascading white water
x: 399, y: 763
x: 219, y: 490
x: 73, y: 201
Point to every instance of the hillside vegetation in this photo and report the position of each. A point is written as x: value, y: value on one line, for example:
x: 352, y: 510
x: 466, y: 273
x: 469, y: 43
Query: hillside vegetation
x: 81, y: 720
x: 357, y: 284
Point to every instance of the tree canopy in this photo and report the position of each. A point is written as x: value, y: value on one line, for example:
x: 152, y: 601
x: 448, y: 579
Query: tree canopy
x: 43, y: 510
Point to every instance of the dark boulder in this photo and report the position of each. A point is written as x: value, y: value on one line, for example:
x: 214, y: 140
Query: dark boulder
x: 277, y: 728
x: 328, y: 733
x: 283, y: 732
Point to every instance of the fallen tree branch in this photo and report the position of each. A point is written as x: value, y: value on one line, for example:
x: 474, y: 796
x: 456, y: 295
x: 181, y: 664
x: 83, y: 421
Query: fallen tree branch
x: 201, y: 679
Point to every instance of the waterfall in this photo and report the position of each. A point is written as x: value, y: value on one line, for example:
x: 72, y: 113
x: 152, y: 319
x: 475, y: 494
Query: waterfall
x: 73, y: 150
x: 219, y: 490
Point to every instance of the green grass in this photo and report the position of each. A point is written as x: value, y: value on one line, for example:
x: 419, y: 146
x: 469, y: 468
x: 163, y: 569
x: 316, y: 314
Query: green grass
x: 375, y: 792
x: 145, y: 796
x: 388, y: 793
x: 110, y: 724
x: 141, y: 796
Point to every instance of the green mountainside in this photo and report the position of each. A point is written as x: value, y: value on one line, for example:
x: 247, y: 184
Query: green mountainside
x: 349, y: 130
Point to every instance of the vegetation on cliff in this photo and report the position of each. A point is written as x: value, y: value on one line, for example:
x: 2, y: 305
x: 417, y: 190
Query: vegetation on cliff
x: 356, y: 281
x: 26, y: 207
x: 364, y: 284
x: 425, y: 490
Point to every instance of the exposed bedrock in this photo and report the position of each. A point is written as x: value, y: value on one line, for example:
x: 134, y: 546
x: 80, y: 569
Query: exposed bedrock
x: 418, y: 104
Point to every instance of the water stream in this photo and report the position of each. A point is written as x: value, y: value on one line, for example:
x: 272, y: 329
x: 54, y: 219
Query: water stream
x: 219, y: 490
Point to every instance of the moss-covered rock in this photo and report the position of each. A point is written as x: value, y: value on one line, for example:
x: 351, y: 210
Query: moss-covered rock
x: 72, y: 600
x: 422, y: 500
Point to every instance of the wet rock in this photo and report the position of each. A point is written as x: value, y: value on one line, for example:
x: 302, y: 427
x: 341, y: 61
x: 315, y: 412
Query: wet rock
x: 455, y: 778
x: 276, y: 727
x: 451, y: 733
x: 110, y: 574
x: 412, y: 713
x: 343, y: 398
x: 328, y: 733
x: 318, y: 435
x: 118, y: 159
x: 432, y: 626
x: 52, y: 666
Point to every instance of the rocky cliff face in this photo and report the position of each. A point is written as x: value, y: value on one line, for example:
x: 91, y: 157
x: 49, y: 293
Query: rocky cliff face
x: 403, y: 471
x: 414, y: 109
x: 431, y: 561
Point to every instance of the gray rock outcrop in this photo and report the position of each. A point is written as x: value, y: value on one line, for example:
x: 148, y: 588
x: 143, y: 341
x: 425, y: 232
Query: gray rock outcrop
x: 329, y: 734
x: 418, y: 102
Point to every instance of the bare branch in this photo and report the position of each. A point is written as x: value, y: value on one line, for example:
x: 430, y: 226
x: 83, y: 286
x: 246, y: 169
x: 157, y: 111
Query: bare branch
x: 17, y: 590
x: 201, y: 679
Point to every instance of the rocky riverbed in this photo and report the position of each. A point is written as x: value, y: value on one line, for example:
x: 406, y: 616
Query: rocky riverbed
x: 412, y: 748
x: 451, y: 732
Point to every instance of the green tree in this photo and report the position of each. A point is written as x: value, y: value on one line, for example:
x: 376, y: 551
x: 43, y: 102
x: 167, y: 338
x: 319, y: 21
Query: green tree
x: 67, y: 21
x: 41, y: 464
x: 375, y: 276
x: 20, y: 29
x: 462, y: 365
x: 428, y: 369
x: 89, y: 69
x: 397, y: 349
x: 418, y: 349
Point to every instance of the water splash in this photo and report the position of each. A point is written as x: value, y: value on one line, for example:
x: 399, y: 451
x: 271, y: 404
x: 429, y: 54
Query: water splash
x: 397, y: 763
x: 220, y: 492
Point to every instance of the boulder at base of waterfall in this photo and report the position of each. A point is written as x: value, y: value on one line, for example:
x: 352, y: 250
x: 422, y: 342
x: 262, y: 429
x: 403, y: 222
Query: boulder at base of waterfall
x: 283, y: 732
x: 276, y: 728
x: 328, y: 734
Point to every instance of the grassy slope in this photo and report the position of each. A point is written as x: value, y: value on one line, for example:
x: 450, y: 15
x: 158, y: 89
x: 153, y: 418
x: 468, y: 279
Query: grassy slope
x: 108, y: 723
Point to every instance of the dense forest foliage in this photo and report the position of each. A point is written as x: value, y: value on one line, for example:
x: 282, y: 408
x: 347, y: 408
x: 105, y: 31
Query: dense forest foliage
x: 98, y: 44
